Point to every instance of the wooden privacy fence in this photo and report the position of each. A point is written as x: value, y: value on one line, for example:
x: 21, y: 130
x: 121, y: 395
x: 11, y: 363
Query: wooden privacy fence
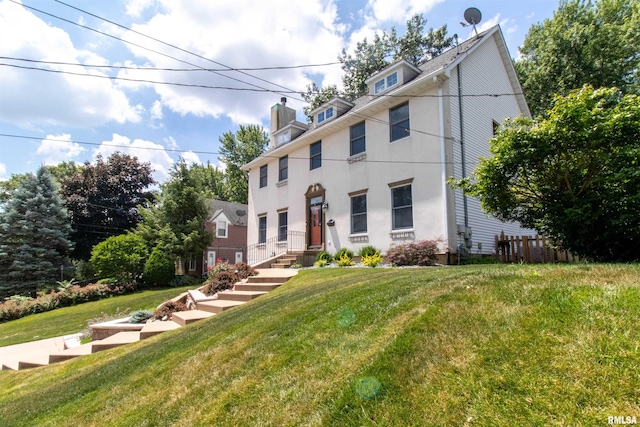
x: 532, y: 250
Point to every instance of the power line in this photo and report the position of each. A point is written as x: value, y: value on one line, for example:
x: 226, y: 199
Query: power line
x: 265, y: 155
x: 178, y: 48
x: 141, y: 81
x: 123, y: 67
x: 140, y: 46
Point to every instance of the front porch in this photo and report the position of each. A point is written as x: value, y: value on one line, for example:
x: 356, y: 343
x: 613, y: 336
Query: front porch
x: 277, y: 252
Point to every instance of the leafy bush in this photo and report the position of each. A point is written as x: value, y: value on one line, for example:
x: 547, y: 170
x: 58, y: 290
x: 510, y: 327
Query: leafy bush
x: 414, y: 253
x: 159, y: 268
x: 183, y: 280
x: 372, y: 260
x: 295, y: 265
x: 345, y: 260
x: 167, y: 309
x: 140, y: 316
x: 120, y: 256
x: 324, y: 255
x: 341, y: 253
x: 244, y: 270
x: 222, y: 281
x: 368, y: 251
x: 15, y: 308
x: 220, y: 266
x: 84, y: 270
x: 321, y: 263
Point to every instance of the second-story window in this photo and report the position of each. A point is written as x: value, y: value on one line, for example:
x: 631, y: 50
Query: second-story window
x: 283, y: 173
x: 263, y: 176
x: 315, y: 155
x: 357, y: 144
x: 221, y: 229
x: 399, y: 122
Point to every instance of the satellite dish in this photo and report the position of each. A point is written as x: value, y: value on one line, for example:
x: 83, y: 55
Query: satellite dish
x: 473, y: 15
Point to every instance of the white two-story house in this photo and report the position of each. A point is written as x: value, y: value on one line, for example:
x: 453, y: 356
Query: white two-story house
x: 374, y: 171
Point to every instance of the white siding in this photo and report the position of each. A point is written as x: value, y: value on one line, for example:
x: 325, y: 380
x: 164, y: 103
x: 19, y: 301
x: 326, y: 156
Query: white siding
x: 482, y: 72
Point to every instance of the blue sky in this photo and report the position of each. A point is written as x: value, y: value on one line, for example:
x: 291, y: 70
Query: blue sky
x: 63, y: 116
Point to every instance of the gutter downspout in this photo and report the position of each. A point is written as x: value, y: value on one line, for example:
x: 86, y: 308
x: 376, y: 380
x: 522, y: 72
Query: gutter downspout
x: 462, y: 153
x: 443, y: 159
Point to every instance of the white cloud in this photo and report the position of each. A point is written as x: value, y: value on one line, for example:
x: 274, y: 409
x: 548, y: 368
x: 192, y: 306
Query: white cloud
x: 399, y: 11
x: 156, y: 110
x: 3, y: 171
x: 58, y: 148
x: 145, y: 151
x: 136, y: 7
x: 35, y: 98
x: 171, y: 143
x: 240, y: 34
x: 191, y: 157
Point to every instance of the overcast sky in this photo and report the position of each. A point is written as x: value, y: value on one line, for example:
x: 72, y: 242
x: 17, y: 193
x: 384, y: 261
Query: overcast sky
x: 81, y: 110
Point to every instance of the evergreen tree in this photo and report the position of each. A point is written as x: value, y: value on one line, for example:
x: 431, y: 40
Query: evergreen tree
x: 34, y: 230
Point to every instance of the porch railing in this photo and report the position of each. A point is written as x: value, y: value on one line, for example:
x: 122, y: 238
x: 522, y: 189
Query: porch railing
x: 274, y: 246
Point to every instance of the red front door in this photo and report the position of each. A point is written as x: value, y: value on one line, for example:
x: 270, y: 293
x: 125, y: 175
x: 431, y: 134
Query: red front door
x: 316, y: 226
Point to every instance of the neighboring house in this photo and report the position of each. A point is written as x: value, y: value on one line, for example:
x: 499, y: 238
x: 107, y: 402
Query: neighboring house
x: 374, y: 172
x: 228, y: 225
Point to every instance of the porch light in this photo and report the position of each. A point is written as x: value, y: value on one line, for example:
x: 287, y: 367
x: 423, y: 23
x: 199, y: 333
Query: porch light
x: 325, y: 206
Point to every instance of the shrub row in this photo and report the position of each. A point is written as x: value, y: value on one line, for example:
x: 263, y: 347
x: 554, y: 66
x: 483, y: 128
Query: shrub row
x: 419, y: 253
x: 223, y: 276
x: 15, y: 308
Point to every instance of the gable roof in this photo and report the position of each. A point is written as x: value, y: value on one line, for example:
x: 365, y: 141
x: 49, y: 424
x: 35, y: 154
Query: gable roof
x: 366, y: 105
x: 236, y: 213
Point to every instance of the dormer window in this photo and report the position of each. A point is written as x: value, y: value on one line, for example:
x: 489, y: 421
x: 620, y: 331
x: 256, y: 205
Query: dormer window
x: 386, y: 83
x: 283, y: 138
x: 325, y: 115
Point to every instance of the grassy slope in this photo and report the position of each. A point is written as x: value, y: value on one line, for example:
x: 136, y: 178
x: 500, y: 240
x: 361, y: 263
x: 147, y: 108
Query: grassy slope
x: 69, y: 320
x: 481, y: 346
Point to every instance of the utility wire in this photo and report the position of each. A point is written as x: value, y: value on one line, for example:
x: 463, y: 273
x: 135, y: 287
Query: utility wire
x: 140, y: 80
x: 141, y: 47
x: 123, y: 67
x: 180, y: 49
x: 218, y: 153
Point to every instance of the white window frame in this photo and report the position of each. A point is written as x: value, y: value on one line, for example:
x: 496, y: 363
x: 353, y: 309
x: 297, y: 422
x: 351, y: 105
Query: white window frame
x: 192, y: 264
x: 384, y: 84
x: 326, y: 114
x: 225, y: 228
x: 394, y: 227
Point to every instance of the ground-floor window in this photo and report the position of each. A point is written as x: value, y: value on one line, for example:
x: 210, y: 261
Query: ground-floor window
x: 282, y: 226
x: 359, y: 214
x: 402, y: 207
x: 262, y: 229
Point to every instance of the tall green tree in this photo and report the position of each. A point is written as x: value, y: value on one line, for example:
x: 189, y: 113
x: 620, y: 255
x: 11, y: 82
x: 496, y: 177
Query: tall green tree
x: 34, y: 230
x: 176, y: 221
x: 574, y: 176
x: 585, y: 42
x: 238, y: 149
x: 415, y: 46
x: 60, y: 172
x: 103, y: 199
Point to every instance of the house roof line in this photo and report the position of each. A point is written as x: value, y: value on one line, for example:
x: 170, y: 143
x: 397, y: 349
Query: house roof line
x: 434, y: 72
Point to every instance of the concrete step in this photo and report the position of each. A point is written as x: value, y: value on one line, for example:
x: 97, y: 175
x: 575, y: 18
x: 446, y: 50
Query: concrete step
x: 121, y: 338
x: 239, y: 295
x: 260, y: 287
x: 157, y: 327
x: 280, y: 266
x: 218, y: 306
x: 183, y: 318
x: 71, y: 353
x: 33, y: 362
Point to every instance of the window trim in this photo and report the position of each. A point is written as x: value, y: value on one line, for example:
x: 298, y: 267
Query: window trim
x: 283, y: 176
x: 225, y: 228
x: 262, y: 232
x: 396, y: 208
x: 285, y: 225
x: 314, y: 157
x: 265, y: 176
x: 353, y: 215
x: 326, y: 114
x: 192, y: 265
x: 379, y: 88
x: 393, y: 124
x: 352, y: 139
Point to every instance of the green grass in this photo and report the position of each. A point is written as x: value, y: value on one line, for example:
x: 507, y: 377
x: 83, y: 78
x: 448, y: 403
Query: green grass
x: 69, y: 320
x: 473, y: 345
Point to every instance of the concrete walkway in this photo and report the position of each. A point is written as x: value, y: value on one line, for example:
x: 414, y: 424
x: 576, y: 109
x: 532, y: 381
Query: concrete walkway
x: 54, y: 350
